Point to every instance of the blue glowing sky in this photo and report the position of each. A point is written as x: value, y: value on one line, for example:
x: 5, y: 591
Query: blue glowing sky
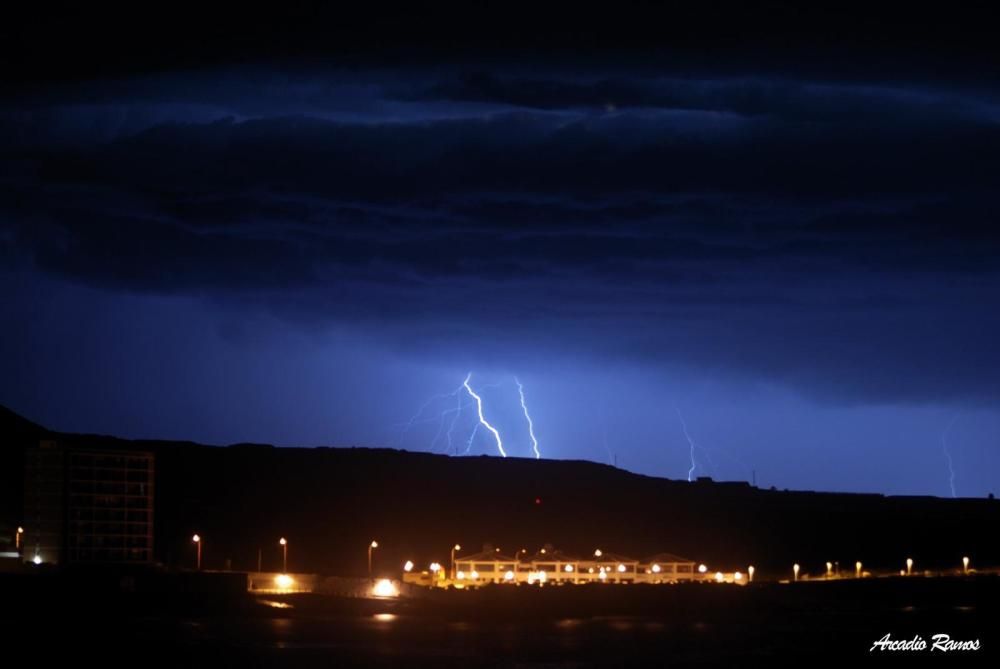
x: 804, y: 266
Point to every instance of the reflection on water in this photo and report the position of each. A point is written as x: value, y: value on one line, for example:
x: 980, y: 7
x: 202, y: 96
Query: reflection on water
x: 568, y: 623
x: 275, y: 605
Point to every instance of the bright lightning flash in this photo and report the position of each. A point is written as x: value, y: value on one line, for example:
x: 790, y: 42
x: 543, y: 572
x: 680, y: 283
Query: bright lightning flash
x: 482, y: 419
x: 531, y: 426
x: 690, y: 442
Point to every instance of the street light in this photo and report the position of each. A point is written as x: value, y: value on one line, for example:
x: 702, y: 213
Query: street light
x: 750, y: 571
x: 795, y: 570
x: 197, y: 542
x: 702, y: 569
x: 17, y: 538
x: 408, y: 566
x: 372, y: 546
x: 909, y: 566
x: 454, y: 548
x: 598, y: 553
x: 829, y: 569
x: 857, y: 568
x: 965, y: 565
x: 284, y: 554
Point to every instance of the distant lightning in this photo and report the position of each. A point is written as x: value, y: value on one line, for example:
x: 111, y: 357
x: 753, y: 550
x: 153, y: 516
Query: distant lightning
x: 451, y: 428
x: 531, y: 426
x: 416, y: 418
x: 482, y: 419
x: 947, y: 454
x: 455, y: 414
x: 468, y: 445
x: 690, y: 442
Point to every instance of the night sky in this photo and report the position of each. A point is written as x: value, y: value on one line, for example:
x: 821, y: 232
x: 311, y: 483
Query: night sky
x: 774, y: 227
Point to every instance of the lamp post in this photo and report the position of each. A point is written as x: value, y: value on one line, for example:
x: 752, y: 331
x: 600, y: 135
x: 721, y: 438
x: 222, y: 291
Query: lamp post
x: 284, y: 554
x: 17, y: 538
x: 372, y: 546
x: 965, y: 565
x: 750, y: 571
x: 197, y: 542
x: 795, y: 570
x: 909, y: 566
x: 454, y: 548
x: 829, y: 569
x: 857, y: 569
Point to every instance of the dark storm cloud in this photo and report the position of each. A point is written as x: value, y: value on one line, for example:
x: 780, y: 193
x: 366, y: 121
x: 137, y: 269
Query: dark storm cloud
x: 824, y: 235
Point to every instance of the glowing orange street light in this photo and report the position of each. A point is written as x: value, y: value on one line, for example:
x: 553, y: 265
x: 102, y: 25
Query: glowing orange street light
x: 795, y: 570
x: 965, y: 564
x: 454, y: 548
x: 750, y: 571
x: 857, y: 568
x: 17, y: 538
x: 909, y: 566
x: 284, y: 554
x: 197, y: 542
x: 372, y: 546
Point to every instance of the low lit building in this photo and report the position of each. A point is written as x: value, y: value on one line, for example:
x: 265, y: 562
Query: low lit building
x: 669, y: 568
x: 487, y: 566
x: 555, y: 567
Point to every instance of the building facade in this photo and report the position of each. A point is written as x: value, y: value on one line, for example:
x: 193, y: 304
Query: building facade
x: 86, y: 505
x: 554, y: 566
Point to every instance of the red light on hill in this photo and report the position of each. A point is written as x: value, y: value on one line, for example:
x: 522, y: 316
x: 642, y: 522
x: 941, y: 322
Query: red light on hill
x: 538, y: 501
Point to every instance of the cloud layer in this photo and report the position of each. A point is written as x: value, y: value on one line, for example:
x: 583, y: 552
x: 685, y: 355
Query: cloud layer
x: 839, y: 238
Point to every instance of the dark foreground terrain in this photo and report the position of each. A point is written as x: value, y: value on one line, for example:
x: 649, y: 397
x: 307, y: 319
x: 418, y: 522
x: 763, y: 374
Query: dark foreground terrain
x: 332, y: 502
x: 585, y: 626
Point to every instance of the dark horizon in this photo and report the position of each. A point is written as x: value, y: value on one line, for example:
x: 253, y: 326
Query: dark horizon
x: 702, y: 239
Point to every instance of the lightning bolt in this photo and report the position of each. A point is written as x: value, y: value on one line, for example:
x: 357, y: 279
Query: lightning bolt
x: 482, y: 419
x: 947, y: 454
x: 531, y: 426
x: 689, y: 440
